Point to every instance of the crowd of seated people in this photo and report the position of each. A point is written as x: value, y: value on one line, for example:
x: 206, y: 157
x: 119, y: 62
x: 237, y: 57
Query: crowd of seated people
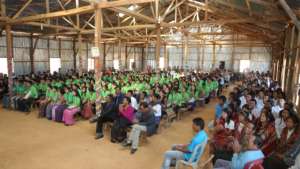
x: 255, y: 122
x: 136, y: 100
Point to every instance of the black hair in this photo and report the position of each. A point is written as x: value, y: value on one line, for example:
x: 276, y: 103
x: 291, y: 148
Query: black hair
x: 144, y: 104
x: 128, y: 99
x: 199, y: 122
x: 223, y: 98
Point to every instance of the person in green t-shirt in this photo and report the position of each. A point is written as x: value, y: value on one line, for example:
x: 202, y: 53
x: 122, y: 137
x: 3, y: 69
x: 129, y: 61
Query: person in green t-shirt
x: 89, y: 103
x: 54, y: 96
x: 45, y: 101
x: 73, y: 108
x: 25, y: 102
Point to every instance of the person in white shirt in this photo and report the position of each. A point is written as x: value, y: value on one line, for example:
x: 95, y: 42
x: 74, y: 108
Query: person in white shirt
x: 156, y: 107
x: 297, y: 163
x: 280, y: 121
x: 134, y: 103
x: 255, y: 111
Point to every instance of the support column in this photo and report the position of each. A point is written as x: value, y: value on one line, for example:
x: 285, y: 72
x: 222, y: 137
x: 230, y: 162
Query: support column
x: 98, y: 59
x: 142, y: 59
x: 214, y: 56
x: 126, y: 57
x: 31, y: 54
x: 9, y: 53
x: 74, y: 54
x: 119, y: 53
x: 166, y: 60
x: 233, y: 53
x: 203, y: 56
x: 186, y: 50
x: 104, y: 56
x: 79, y: 53
x: 158, y: 45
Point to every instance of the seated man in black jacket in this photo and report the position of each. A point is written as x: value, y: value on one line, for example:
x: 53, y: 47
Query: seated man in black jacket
x: 145, y: 122
x: 108, y: 114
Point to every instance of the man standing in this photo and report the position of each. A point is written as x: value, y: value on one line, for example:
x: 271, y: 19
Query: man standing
x: 184, y: 152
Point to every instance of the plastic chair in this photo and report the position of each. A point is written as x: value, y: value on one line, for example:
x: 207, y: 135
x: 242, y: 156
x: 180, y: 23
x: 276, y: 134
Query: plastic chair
x: 195, y: 158
x: 256, y: 164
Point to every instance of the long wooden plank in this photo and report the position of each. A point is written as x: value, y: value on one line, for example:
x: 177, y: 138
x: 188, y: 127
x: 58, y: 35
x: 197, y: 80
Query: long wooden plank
x: 133, y: 13
x: 291, y: 14
x: 18, y: 13
x: 80, y: 10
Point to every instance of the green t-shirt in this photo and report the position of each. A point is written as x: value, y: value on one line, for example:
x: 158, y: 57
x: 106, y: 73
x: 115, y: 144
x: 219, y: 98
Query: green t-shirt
x: 68, y: 97
x: 75, y: 101
x: 33, y: 92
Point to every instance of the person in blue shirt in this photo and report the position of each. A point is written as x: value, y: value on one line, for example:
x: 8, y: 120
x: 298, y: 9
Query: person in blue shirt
x: 184, y: 152
x: 220, y: 106
x: 244, y: 153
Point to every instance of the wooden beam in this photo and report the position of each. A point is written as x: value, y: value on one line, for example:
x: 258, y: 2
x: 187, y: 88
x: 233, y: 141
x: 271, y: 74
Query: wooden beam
x: 9, y: 55
x: 157, y: 49
x: 79, y: 53
x: 80, y: 10
x: 18, y: 13
x: 3, y: 8
x: 290, y: 13
x: 98, y: 60
x: 133, y: 14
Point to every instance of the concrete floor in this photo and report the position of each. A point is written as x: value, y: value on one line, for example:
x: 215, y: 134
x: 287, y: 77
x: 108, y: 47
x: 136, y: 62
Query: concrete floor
x: 30, y: 143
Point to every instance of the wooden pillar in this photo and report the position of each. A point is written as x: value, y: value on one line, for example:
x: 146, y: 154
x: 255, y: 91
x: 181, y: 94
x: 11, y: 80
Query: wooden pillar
x: 126, y: 57
x: 79, y: 53
x: 74, y: 54
x: 157, y: 49
x: 214, y: 56
x: 203, y: 55
x: 233, y: 53
x: 146, y: 54
x: 142, y: 58
x: 297, y: 64
x: 98, y: 59
x: 31, y: 54
x: 119, y: 53
x: 9, y: 53
x: 104, y: 56
x: 166, y: 60
x: 48, y: 53
x: 185, y: 55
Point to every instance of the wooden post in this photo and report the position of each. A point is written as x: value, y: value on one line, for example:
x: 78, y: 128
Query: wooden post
x: 157, y: 50
x: 143, y: 58
x: 98, y: 59
x: 104, y: 56
x: 186, y: 50
x: 147, y: 51
x: 79, y: 53
x: 9, y: 53
x: 166, y: 60
x: 126, y: 57
x: 119, y: 53
x: 214, y: 56
x: 74, y: 54
x: 296, y: 70
x: 203, y: 56
x: 31, y: 54
x: 48, y: 53
x: 233, y: 53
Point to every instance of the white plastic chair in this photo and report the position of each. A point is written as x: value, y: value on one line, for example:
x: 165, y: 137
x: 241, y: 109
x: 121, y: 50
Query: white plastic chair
x: 195, y: 158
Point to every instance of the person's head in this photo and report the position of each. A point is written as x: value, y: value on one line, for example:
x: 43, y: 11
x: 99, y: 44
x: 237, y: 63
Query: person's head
x: 198, y: 124
x: 248, y: 142
x: 284, y: 114
x: 126, y: 101
x: 110, y: 98
x: 75, y: 93
x: 249, y: 128
x: 252, y: 103
x: 221, y: 100
x: 129, y: 93
x: 292, y: 122
x: 144, y: 107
